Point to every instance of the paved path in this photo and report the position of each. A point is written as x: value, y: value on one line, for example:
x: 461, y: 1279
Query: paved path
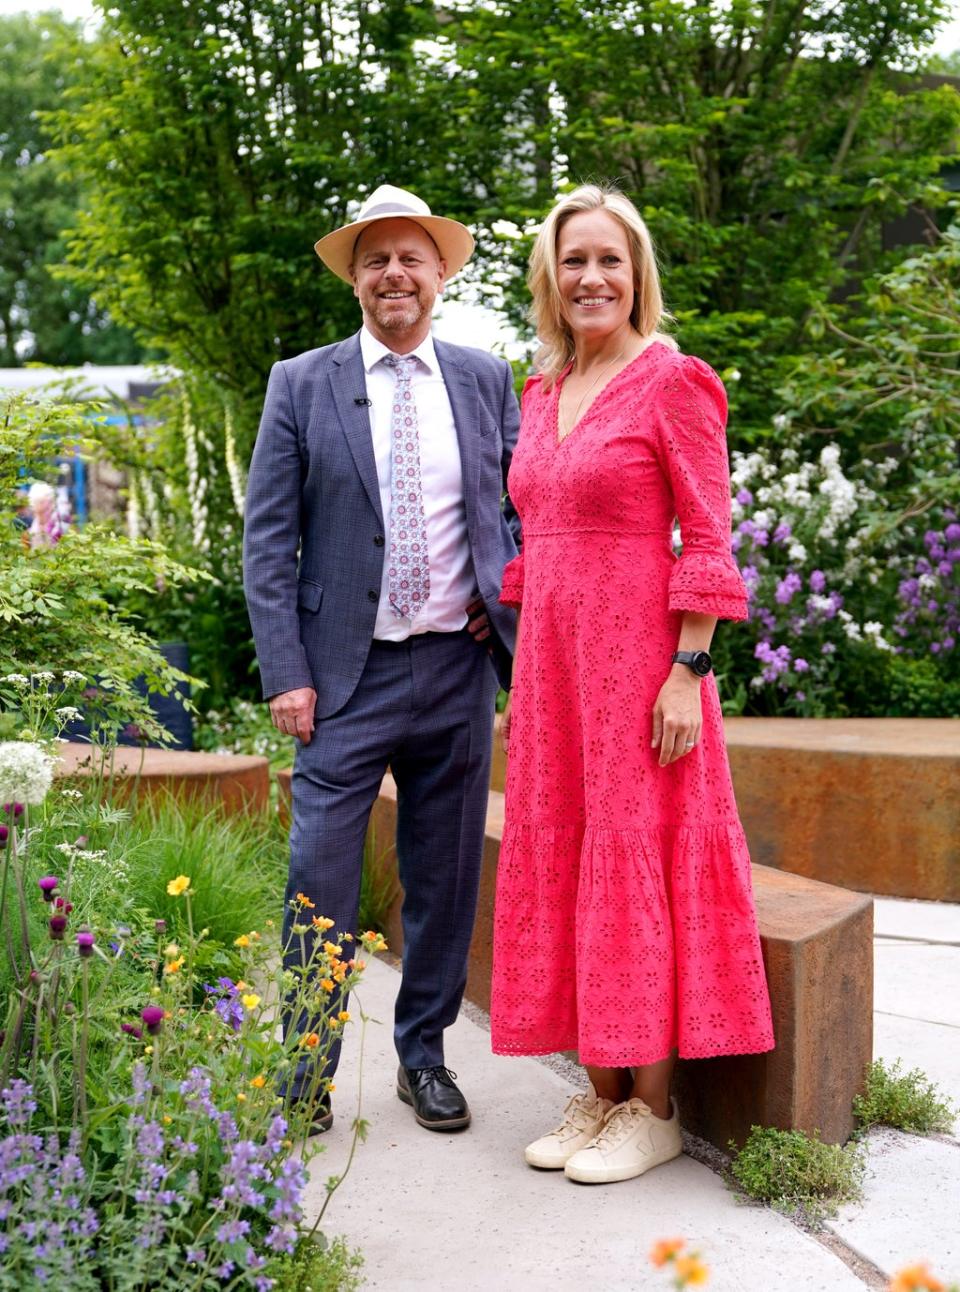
x: 462, y: 1213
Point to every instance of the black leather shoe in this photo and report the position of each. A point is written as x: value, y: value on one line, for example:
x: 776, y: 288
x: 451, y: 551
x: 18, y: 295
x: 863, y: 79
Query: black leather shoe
x: 318, y: 1111
x: 436, y: 1101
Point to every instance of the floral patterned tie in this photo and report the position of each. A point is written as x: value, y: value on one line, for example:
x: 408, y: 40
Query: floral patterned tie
x: 408, y: 585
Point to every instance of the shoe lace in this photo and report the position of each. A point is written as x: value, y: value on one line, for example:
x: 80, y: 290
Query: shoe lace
x: 445, y: 1076
x: 576, y: 1115
x: 619, y: 1122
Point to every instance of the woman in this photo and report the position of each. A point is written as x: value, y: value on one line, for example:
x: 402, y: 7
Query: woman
x: 625, y: 926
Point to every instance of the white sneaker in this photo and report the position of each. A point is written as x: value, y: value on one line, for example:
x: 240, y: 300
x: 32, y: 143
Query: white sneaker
x: 630, y: 1141
x: 582, y: 1118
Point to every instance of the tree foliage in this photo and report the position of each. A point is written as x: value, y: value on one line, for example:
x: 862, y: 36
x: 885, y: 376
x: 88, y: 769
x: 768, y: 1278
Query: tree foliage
x: 41, y: 318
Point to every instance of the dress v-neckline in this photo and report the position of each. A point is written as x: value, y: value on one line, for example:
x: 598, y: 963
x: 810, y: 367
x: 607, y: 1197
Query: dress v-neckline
x: 559, y: 442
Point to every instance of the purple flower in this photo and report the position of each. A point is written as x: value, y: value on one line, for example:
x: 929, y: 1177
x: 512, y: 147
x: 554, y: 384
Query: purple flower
x: 744, y: 497
x: 60, y: 904
x: 952, y: 533
x: 757, y: 535
x: 800, y: 665
x: 800, y: 696
x: 152, y: 1017
x: 195, y: 1089
x: 58, y: 926
x: 195, y: 1256
x: 818, y: 581
x: 243, y: 1166
x: 262, y: 1283
x: 48, y: 884
x: 13, y: 809
x: 18, y: 1102
x: 224, y: 1271
x: 131, y: 1030
x: 85, y: 943
x: 4, y: 834
x: 782, y: 532
x: 790, y: 584
x: 279, y: 1239
x: 160, y: 926
x: 231, y: 1231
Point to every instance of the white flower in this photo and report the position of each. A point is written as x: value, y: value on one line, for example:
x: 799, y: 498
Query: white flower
x: 733, y: 374
x: 68, y: 713
x: 43, y: 676
x: 780, y: 421
x: 26, y: 772
x: 71, y: 675
x: 797, y: 552
x: 71, y: 794
x: 874, y: 631
x: 16, y: 679
x: 765, y: 519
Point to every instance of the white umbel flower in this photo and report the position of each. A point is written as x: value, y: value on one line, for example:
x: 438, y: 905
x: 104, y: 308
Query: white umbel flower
x: 26, y: 772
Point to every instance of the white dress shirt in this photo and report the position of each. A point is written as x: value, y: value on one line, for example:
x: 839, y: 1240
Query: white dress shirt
x: 452, y: 579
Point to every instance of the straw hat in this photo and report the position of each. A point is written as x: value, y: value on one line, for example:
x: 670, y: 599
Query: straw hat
x: 454, y: 240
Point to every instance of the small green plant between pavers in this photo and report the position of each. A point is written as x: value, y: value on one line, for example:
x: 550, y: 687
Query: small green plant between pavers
x: 909, y: 1100
x: 795, y: 1172
x: 318, y: 1267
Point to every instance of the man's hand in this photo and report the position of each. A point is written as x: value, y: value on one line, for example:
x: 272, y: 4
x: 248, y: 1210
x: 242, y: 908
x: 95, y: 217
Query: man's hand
x: 677, y: 716
x: 477, y: 620
x: 292, y: 712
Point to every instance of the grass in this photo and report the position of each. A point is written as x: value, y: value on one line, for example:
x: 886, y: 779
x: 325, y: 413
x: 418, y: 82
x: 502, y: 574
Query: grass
x: 318, y: 1267
x: 910, y: 1101
x: 795, y: 1172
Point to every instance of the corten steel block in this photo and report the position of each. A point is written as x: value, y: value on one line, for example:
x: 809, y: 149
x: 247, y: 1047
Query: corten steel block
x: 817, y: 943
x: 284, y: 787
x: 240, y: 782
x: 868, y: 803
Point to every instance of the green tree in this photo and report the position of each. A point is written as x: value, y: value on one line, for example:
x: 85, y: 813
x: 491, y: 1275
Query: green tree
x: 766, y: 143
x: 41, y: 318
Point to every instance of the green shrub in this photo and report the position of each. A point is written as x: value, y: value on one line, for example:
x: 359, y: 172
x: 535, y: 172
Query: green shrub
x: 790, y: 1170
x: 909, y: 1101
x: 318, y: 1267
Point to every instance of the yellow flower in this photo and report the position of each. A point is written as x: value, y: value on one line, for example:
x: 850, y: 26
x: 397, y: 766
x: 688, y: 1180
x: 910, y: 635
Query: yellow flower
x: 258, y: 1082
x: 326, y: 984
x: 302, y: 899
x: 148, y: 1049
x: 178, y: 886
x: 167, y: 1119
x: 173, y: 966
x: 916, y: 1278
x: 322, y: 923
x: 171, y: 950
x: 333, y: 1022
x: 373, y: 941
x: 667, y: 1249
x: 241, y: 1097
x: 344, y: 1016
x: 332, y: 950
x: 329, y: 1087
x: 251, y: 1001
x: 690, y: 1271
x: 339, y: 971
x: 311, y: 1040
x: 241, y: 941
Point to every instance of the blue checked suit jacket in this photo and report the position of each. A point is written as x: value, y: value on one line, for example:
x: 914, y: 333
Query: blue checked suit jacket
x: 313, y: 545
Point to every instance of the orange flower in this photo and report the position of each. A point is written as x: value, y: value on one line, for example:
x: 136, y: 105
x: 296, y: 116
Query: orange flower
x: 322, y: 923
x: 667, y: 1249
x: 326, y: 984
x: 173, y: 966
x: 258, y: 1082
x: 916, y: 1278
x: 302, y: 899
x: 690, y: 1271
x: 343, y: 1016
x: 241, y: 941
x: 332, y: 950
x: 339, y: 971
x: 311, y: 1040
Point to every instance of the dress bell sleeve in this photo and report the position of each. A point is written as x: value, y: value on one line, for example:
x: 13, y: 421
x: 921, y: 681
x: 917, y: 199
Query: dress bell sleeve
x: 692, y: 416
x: 511, y: 593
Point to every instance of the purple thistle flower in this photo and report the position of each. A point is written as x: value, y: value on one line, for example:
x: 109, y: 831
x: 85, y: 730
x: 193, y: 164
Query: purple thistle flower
x: 4, y: 834
x: 160, y: 926
x: 85, y: 942
x: 48, y: 884
x: 58, y: 926
x: 13, y: 809
x: 62, y: 905
x: 152, y: 1017
x: 130, y: 1030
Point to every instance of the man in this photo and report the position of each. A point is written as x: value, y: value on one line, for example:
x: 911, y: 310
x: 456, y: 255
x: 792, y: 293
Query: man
x: 375, y: 541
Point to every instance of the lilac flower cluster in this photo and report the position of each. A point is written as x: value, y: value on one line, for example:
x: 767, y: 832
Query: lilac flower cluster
x: 928, y: 620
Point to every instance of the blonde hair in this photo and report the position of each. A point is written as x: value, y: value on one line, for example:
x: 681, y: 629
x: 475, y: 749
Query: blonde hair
x: 555, y: 334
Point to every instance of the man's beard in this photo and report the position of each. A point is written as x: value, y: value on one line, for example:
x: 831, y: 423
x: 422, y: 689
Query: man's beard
x: 390, y: 318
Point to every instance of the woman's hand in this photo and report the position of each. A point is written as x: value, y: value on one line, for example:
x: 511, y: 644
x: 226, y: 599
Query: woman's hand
x: 505, y: 726
x: 677, y: 715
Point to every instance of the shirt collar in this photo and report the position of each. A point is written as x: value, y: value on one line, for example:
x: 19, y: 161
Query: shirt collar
x: 373, y: 351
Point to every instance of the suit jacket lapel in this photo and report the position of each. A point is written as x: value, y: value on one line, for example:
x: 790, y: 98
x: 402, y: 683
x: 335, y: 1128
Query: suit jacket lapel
x: 348, y: 382
x: 464, y: 401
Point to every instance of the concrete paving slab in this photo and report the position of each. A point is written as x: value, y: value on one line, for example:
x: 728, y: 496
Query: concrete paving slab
x: 910, y: 1207
x: 933, y: 921
x: 463, y: 1213
x: 912, y: 980
x: 931, y: 1047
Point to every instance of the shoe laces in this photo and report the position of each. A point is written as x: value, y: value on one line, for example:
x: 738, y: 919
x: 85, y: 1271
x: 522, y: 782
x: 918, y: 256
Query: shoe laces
x: 444, y: 1075
x: 620, y: 1122
x: 576, y: 1115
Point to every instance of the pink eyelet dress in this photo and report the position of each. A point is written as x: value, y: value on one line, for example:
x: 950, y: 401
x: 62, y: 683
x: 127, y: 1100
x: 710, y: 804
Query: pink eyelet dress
x: 625, y: 925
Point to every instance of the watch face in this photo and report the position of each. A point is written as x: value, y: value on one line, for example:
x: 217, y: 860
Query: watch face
x: 702, y: 663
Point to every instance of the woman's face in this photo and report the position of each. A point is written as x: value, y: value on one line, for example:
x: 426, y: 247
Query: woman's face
x: 595, y: 274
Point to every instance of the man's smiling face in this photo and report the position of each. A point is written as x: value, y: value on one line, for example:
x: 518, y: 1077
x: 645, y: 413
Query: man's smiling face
x: 397, y: 275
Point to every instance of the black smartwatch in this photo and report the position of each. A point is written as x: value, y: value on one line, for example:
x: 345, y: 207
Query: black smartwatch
x: 697, y: 661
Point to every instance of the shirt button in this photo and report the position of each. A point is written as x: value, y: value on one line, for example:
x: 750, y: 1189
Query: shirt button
x: 373, y: 596
x: 378, y: 540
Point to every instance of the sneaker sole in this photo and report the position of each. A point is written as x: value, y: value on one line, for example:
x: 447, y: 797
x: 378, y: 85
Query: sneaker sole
x: 541, y: 1164
x: 611, y: 1175
x: 452, y: 1123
